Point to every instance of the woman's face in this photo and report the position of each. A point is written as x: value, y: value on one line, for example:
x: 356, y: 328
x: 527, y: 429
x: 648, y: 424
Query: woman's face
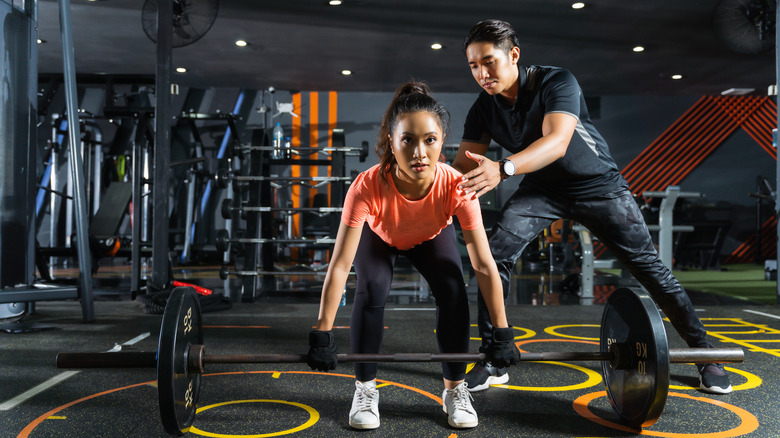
x: 416, y: 144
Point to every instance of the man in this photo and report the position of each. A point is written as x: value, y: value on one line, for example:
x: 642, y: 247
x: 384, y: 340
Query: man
x: 538, y: 114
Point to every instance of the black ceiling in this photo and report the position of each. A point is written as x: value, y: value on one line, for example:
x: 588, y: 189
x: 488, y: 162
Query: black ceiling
x: 305, y: 44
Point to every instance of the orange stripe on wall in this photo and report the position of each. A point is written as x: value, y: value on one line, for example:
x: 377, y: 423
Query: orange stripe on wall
x: 314, y: 116
x: 296, y: 170
x: 333, y: 105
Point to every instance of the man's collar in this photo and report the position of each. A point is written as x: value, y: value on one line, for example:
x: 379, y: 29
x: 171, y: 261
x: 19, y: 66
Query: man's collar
x: 522, y: 80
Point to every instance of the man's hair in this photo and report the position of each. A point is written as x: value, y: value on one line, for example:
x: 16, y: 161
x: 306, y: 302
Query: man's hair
x: 498, y: 32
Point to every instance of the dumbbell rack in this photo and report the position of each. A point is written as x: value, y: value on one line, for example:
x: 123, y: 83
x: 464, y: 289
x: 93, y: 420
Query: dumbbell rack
x: 257, y: 210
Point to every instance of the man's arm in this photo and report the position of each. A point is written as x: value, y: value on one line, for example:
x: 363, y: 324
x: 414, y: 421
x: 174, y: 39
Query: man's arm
x: 557, y: 130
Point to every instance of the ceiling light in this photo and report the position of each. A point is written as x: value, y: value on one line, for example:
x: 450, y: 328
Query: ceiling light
x: 241, y: 43
x: 675, y: 77
x: 334, y: 2
x: 638, y: 49
x: 181, y: 70
x: 346, y: 72
x: 578, y: 5
x: 436, y: 46
x: 40, y: 41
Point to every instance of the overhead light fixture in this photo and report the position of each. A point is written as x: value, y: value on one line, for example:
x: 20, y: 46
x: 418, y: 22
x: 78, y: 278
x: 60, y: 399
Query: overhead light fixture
x: 40, y: 41
x: 578, y: 5
x: 346, y: 72
x: 638, y: 49
x: 334, y: 2
x: 676, y: 77
x: 241, y: 43
x: 436, y: 46
x: 181, y: 70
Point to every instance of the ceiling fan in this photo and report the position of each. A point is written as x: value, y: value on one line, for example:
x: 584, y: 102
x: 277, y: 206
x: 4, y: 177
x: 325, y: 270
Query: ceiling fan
x: 191, y: 20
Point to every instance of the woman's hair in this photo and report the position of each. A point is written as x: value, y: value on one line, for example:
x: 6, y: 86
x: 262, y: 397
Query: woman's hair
x: 410, y: 97
x: 498, y: 32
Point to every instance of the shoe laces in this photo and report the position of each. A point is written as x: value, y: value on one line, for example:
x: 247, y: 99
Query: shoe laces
x: 365, y: 396
x: 460, y: 396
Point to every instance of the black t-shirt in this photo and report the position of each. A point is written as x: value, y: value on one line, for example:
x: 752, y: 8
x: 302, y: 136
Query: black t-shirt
x: 587, y: 168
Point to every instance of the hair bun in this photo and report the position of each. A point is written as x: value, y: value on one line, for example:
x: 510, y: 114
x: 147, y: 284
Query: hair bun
x: 412, y: 87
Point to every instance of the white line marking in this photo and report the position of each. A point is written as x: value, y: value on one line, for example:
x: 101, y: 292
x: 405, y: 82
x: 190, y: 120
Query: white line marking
x: 137, y: 339
x: 32, y: 392
x: 761, y: 313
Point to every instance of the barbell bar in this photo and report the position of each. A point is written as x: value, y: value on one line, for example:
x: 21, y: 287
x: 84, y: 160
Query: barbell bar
x: 360, y: 152
x: 227, y: 208
x: 224, y: 176
x: 633, y: 350
x: 222, y: 240
x: 197, y: 358
x: 225, y: 272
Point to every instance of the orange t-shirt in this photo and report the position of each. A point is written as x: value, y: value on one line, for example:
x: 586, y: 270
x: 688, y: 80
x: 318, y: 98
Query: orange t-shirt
x: 404, y: 223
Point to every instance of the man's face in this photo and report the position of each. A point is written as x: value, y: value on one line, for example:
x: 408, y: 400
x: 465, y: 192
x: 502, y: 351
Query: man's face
x: 495, y: 70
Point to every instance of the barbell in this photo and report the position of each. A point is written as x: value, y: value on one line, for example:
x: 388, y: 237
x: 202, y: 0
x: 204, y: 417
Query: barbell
x: 633, y: 350
x: 224, y: 176
x: 228, y: 207
x: 222, y: 240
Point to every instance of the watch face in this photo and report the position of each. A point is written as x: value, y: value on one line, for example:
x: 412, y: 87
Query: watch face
x: 509, y: 167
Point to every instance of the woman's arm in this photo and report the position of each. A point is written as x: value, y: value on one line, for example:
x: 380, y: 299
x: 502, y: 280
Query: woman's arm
x: 347, y: 240
x: 487, y: 274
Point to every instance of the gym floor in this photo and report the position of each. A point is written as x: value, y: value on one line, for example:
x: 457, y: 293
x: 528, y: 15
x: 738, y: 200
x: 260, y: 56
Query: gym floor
x: 541, y: 399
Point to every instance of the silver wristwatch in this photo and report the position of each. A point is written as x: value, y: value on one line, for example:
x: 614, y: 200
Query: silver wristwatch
x: 507, y: 168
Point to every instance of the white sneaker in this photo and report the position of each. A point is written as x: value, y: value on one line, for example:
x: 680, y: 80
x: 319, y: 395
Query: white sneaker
x: 457, y: 406
x: 365, y: 406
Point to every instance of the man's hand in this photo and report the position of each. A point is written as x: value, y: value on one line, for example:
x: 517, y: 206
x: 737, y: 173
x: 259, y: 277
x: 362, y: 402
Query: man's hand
x: 483, y: 179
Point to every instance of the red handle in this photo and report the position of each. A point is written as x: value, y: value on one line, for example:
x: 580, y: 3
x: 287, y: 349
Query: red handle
x: 198, y: 289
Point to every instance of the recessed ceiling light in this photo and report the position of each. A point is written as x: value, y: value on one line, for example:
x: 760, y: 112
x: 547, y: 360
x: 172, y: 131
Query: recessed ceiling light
x: 578, y: 5
x: 181, y: 70
x: 675, y: 77
x: 334, y: 2
x: 638, y: 49
x: 241, y: 43
x: 436, y: 46
x: 346, y: 72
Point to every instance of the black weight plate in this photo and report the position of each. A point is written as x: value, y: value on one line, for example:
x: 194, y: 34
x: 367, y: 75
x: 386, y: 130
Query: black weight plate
x: 637, y: 394
x: 227, y: 208
x: 222, y: 240
x: 177, y: 388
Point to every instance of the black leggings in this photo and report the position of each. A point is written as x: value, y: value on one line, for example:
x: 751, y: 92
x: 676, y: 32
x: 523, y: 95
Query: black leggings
x: 618, y: 223
x: 438, y: 260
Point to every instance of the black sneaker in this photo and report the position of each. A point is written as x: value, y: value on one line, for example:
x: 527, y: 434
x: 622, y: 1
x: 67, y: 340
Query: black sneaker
x: 483, y: 375
x: 714, y: 378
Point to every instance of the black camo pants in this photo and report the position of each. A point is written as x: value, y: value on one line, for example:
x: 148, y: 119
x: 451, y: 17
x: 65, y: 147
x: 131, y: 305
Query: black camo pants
x: 617, y: 221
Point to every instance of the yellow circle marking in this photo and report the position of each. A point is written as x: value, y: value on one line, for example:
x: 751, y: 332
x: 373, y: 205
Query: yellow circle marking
x: 25, y: 433
x: 528, y: 333
x: 748, y: 424
x: 594, y: 378
x: 553, y: 331
x: 314, y: 416
x: 753, y: 381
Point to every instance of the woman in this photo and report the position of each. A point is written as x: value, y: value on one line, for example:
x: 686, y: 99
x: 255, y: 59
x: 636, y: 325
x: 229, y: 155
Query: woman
x: 404, y: 206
